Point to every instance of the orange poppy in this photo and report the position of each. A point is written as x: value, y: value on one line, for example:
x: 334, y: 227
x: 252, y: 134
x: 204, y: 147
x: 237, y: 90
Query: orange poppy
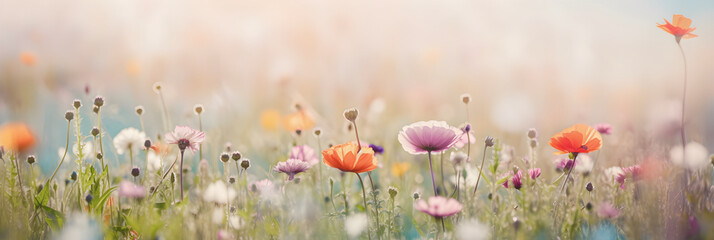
x: 346, y: 157
x: 16, y: 137
x: 28, y: 58
x: 579, y: 138
x: 299, y: 120
x: 679, y: 27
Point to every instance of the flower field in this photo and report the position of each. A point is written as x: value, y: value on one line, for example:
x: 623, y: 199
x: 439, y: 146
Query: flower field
x: 246, y: 120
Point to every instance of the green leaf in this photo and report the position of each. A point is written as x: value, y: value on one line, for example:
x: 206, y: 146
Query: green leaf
x: 42, y: 198
x: 54, y: 218
x: 502, y: 180
x: 99, y: 203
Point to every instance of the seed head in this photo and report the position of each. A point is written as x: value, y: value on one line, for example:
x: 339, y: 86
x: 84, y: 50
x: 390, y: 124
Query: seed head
x: 98, y: 101
x: 198, y: 109
x: 88, y: 198
x: 489, y: 141
x: 95, y: 109
x: 135, y: 171
x: 351, y: 114
x: 235, y: 156
x: 95, y: 131
x: 147, y: 144
x: 245, y: 164
x: 232, y: 180
x: 532, y: 133
x: 393, y: 192
x: 157, y: 87
x: 69, y: 115
x: 73, y: 176
x: 533, y: 143
x: 99, y: 156
x: 318, y: 131
x: 589, y: 187
x: 31, y: 159
x: 416, y: 195
x: 225, y: 157
x: 173, y: 177
x: 77, y: 103
x: 466, y: 98
x: 139, y: 110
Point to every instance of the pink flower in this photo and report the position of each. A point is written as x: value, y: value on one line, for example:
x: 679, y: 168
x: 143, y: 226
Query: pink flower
x: 430, y: 136
x: 185, y: 137
x: 604, y: 128
x: 262, y: 186
x: 128, y: 189
x: 304, y: 153
x: 517, y: 180
x: 439, y: 206
x: 291, y: 167
x: 465, y: 138
x: 564, y: 164
x: 634, y: 172
x: 534, y: 173
x: 606, y: 210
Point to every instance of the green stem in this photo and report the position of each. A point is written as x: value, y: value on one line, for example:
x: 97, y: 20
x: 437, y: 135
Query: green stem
x: 376, y: 204
x: 431, y: 168
x: 63, y: 156
x: 181, y: 175
x: 364, y: 201
x: 478, y: 179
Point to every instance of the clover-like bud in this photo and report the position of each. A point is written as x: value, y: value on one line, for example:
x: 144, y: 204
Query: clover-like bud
x: 98, y: 101
x: 489, y: 141
x: 351, y: 114
x: 235, y: 156
x: 77, y: 103
x: 69, y: 115
x: 225, y: 157
x: 31, y: 159
x: 95, y: 131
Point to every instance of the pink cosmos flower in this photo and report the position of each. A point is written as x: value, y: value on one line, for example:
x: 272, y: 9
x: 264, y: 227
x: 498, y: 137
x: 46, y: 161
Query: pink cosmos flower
x: 128, y: 189
x: 606, y: 210
x: 291, y: 167
x: 464, y: 138
x: 534, y: 173
x: 564, y: 164
x: 305, y: 154
x: 186, y: 137
x: 439, y: 206
x: 604, y: 128
x: 430, y: 136
x: 517, y: 180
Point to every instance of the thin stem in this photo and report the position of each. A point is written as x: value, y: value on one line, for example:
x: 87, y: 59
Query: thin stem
x: 200, y: 145
x: 16, y: 161
x: 359, y: 145
x: 167, y: 122
x: 433, y: 183
x: 480, y: 170
x: 575, y: 157
x: 63, y: 156
x: 684, y: 92
x: 131, y: 157
x: 101, y: 147
x: 164, y: 177
x: 376, y: 205
x: 181, y: 175
x: 364, y: 201
x: 441, y: 169
x: 141, y: 120
x: 319, y: 150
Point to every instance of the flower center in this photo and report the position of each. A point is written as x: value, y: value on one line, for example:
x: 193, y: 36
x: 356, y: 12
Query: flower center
x: 183, y: 144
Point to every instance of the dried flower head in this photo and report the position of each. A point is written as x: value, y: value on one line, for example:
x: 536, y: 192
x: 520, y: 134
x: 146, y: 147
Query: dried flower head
x: 31, y: 159
x: 351, y: 114
x: 157, y: 87
x: 489, y: 141
x: 69, y: 115
x: 139, y: 110
x: 245, y: 164
x: 235, y: 156
x: 99, y: 101
x: 198, y: 109
x: 77, y: 103
x: 466, y: 98
x: 225, y: 157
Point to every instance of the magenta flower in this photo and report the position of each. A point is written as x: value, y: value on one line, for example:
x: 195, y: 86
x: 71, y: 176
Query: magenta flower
x: 604, y: 128
x: 291, y: 167
x: 465, y: 138
x: 128, y: 189
x: 564, y: 164
x: 304, y: 153
x: 185, y: 137
x: 517, y: 180
x: 439, y: 206
x: 430, y: 136
x: 633, y: 172
x: 534, y: 173
x: 606, y: 210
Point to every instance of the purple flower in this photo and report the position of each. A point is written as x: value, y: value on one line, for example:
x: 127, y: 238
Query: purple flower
x: 291, y: 167
x: 304, y: 153
x: 185, y: 137
x: 377, y: 149
x: 128, y: 189
x: 606, y: 210
x: 534, y: 173
x: 517, y: 180
x: 604, y: 128
x: 430, y: 136
x: 439, y: 206
x: 564, y: 164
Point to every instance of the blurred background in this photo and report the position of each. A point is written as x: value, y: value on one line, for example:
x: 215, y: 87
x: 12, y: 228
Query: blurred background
x: 542, y: 64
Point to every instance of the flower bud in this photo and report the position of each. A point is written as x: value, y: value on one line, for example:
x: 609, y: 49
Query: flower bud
x: 532, y: 133
x: 416, y: 195
x: 466, y: 98
x: 40, y: 187
x: 88, y: 198
x: 232, y: 180
x: 589, y: 187
x: 95, y: 131
x: 351, y: 114
x: 77, y: 103
x: 99, y: 156
x: 225, y: 157
x: 95, y: 109
x: 135, y: 171
x: 31, y: 159
x: 69, y: 115
x: 393, y: 192
x: 198, y: 109
x: 245, y: 164
x: 533, y: 143
x: 318, y: 131
x: 157, y: 87
x: 172, y: 179
x: 98, y: 101
x: 147, y: 144
x: 589, y: 206
x: 489, y: 141
x: 139, y: 110
x: 73, y: 176
x: 516, y: 223
x: 298, y: 132
x: 235, y: 156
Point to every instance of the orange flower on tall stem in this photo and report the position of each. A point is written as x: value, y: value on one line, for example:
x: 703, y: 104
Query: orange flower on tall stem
x: 346, y: 158
x: 16, y: 137
x: 679, y: 27
x: 579, y: 138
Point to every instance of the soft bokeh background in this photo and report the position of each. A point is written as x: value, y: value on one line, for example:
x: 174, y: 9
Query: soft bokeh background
x: 543, y: 64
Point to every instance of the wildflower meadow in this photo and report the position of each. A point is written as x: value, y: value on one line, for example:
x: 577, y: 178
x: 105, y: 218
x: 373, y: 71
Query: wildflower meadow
x: 353, y: 120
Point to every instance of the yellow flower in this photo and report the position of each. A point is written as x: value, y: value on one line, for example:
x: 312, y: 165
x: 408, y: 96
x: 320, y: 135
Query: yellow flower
x: 270, y: 119
x: 399, y: 169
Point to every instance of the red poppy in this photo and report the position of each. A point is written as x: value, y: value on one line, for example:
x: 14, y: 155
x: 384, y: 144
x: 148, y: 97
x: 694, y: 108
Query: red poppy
x: 679, y: 27
x: 579, y: 138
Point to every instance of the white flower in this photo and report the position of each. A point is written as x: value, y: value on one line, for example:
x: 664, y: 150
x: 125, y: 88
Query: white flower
x: 695, y: 156
x: 87, y: 150
x: 355, y: 224
x: 584, y: 164
x: 457, y: 158
x: 613, y: 172
x: 129, y: 139
x: 217, y: 216
x: 472, y: 229
x: 219, y: 193
x: 154, y: 161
